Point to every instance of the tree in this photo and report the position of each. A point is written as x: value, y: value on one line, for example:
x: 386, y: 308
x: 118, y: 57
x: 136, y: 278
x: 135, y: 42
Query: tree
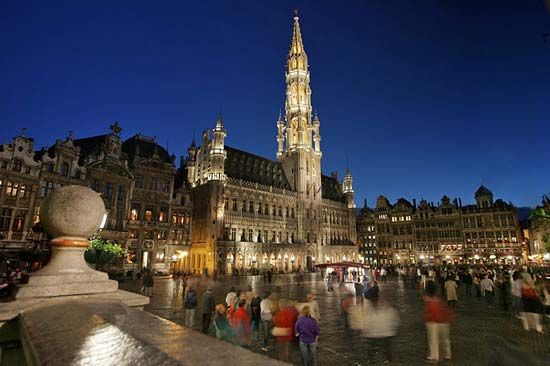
x: 102, y: 252
x: 539, y: 213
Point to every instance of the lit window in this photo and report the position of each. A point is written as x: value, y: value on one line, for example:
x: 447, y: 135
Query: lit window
x: 11, y: 189
x: 149, y: 214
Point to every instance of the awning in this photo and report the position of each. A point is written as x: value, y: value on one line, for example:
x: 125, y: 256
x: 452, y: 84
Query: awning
x: 342, y: 265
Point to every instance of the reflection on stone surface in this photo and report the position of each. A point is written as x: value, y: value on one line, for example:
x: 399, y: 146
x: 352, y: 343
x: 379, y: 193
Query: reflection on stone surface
x: 107, y: 333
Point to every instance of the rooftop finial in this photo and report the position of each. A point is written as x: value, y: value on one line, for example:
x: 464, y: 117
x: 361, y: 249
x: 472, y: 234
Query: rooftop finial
x: 70, y: 136
x: 295, y: 13
x: 23, y: 131
x: 115, y: 127
x: 219, y: 121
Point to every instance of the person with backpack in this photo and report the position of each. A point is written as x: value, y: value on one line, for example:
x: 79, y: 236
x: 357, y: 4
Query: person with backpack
x: 438, y: 318
x: 190, y: 304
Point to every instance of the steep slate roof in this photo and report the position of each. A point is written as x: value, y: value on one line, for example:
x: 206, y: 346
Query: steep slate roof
x: 331, y: 188
x: 90, y: 146
x: 146, y: 148
x: 255, y: 169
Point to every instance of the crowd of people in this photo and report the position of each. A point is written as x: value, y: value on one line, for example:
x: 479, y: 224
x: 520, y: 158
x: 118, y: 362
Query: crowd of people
x: 273, y: 321
x: 245, y: 317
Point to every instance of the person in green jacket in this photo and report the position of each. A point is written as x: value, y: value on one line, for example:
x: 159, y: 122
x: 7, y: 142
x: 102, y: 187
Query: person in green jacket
x: 223, y: 328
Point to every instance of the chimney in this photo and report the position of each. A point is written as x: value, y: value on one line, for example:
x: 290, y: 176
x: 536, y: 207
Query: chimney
x: 459, y: 202
x: 414, y: 203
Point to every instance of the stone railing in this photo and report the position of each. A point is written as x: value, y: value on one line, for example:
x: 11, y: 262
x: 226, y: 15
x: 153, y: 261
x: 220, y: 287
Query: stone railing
x: 70, y: 314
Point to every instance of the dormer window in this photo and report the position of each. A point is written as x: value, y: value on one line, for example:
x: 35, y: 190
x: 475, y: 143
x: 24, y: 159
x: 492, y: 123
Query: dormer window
x: 16, y: 167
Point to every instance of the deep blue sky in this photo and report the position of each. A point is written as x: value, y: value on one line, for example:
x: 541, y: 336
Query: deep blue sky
x: 425, y: 97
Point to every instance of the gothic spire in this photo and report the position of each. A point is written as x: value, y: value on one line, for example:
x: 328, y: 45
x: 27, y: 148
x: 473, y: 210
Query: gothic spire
x: 297, y: 45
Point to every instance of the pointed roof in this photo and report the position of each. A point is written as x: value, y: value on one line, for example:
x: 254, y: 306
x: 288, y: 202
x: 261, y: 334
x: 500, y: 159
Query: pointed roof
x: 297, y: 45
x: 483, y: 191
x: 219, y: 121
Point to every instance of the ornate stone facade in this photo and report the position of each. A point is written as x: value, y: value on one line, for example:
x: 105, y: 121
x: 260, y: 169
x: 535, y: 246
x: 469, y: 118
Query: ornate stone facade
x: 148, y: 202
x: 406, y: 233
x: 252, y: 212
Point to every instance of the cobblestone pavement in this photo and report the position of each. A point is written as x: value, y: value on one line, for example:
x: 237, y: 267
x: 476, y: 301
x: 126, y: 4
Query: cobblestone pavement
x: 479, y: 335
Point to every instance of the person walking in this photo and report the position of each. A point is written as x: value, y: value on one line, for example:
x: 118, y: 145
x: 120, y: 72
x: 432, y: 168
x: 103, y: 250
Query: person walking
x: 468, y: 281
x: 487, y: 289
x: 266, y: 315
x: 477, y: 285
x: 532, y: 306
x: 383, y: 274
x: 148, y: 283
x: 314, y: 306
x: 438, y: 318
x: 307, y: 330
x: 379, y: 327
x: 284, y: 322
x: 207, y: 305
x: 517, y: 287
x: 255, y: 315
x: 450, y: 290
x: 190, y: 304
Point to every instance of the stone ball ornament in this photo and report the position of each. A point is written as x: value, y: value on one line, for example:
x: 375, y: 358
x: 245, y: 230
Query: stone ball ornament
x: 72, y: 211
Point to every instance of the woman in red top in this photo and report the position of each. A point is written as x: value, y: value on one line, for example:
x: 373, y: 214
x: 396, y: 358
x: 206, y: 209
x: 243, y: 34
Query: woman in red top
x: 240, y: 321
x: 284, y: 323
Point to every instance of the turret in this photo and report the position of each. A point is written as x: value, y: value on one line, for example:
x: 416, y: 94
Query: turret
x: 280, y: 136
x: 190, y: 162
x: 217, y: 151
x: 348, y: 189
x: 316, y: 134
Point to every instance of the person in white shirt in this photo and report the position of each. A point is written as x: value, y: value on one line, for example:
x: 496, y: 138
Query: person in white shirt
x: 231, y: 297
x: 266, y: 314
x: 487, y: 287
x: 313, y: 306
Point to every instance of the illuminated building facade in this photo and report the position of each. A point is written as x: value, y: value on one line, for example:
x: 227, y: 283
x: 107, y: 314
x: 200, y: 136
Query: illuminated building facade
x: 253, y: 212
x: 405, y: 233
x: 147, y: 201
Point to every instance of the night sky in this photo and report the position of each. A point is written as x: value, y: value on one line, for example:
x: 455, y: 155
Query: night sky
x: 424, y: 98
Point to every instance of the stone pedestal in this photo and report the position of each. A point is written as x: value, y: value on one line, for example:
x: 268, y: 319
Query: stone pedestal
x: 71, y: 214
